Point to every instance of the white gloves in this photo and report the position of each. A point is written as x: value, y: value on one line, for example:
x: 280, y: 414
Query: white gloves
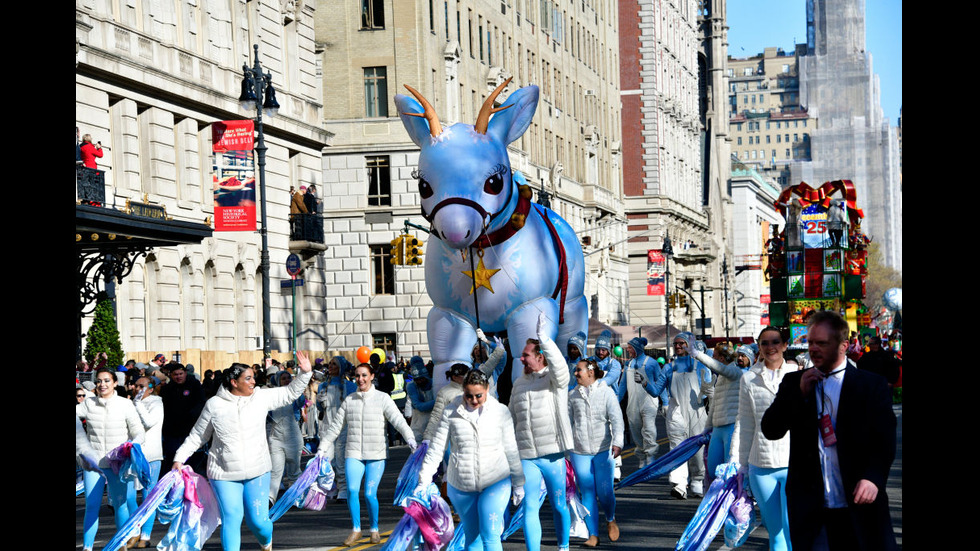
x: 543, y: 333
x: 412, y: 445
x: 497, y: 342
x: 482, y: 336
x: 518, y: 493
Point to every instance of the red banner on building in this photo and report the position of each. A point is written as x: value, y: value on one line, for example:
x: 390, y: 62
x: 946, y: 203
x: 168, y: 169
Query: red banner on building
x: 233, y: 175
x: 656, y: 280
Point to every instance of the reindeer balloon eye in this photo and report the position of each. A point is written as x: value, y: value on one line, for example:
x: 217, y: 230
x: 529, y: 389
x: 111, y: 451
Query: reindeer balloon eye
x: 425, y: 190
x: 494, y: 183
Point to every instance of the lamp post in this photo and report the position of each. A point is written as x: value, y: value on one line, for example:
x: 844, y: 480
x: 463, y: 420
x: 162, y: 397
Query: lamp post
x: 255, y: 85
x: 668, y: 252
x: 724, y: 276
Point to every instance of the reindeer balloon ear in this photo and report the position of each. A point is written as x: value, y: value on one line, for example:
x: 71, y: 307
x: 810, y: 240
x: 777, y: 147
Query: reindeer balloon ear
x: 418, y: 116
x: 515, y: 115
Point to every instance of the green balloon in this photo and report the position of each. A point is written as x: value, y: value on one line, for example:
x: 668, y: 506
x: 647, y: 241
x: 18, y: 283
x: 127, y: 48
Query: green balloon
x: 661, y: 361
x: 618, y: 350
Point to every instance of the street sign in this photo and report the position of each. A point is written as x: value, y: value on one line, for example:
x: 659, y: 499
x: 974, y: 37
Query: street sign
x: 290, y: 283
x: 293, y: 264
x: 707, y: 323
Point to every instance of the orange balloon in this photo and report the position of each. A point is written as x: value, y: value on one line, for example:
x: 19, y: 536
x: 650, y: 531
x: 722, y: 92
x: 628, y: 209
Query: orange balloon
x: 364, y: 354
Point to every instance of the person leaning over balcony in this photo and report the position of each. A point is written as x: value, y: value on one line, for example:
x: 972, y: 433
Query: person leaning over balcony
x: 90, y: 151
x: 296, y: 204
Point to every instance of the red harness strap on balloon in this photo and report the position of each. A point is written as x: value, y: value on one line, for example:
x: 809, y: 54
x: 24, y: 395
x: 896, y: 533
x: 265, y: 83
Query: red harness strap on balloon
x: 562, y: 284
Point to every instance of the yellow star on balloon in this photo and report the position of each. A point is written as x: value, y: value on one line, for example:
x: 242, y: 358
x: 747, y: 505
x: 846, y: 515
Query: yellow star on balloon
x: 481, y: 277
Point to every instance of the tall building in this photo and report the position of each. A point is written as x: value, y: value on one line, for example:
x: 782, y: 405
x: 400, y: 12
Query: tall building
x: 151, y: 78
x: 854, y: 140
x: 676, y: 154
x: 770, y: 130
x: 455, y: 52
x: 754, y: 221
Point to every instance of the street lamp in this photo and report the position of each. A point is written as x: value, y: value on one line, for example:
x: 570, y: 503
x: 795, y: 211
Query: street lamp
x: 255, y: 85
x: 668, y: 252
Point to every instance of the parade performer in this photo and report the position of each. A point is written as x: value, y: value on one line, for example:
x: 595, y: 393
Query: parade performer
x: 724, y: 401
x: 642, y: 408
x: 576, y: 349
x: 597, y: 430
x: 765, y: 460
x: 239, y: 462
x: 688, y: 381
x: 484, y: 464
x: 421, y: 394
x: 285, y: 438
x: 149, y: 407
x: 364, y: 413
x: 539, y: 404
x: 330, y: 396
x: 111, y: 420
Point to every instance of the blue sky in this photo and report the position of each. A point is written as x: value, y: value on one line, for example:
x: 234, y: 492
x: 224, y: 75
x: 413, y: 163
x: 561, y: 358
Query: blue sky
x: 757, y: 24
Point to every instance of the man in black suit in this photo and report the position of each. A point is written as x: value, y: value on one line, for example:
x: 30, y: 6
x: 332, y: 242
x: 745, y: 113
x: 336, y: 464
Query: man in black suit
x: 841, y: 448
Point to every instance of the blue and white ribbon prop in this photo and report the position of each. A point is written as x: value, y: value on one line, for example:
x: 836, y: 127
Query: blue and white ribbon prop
x: 151, y: 502
x: 713, y: 510
x: 667, y: 462
x: 408, y: 477
x: 317, y: 467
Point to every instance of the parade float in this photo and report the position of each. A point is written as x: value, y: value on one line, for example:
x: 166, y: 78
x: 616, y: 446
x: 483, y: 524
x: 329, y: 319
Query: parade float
x: 819, y: 260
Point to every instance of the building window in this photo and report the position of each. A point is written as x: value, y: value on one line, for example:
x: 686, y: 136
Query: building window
x: 739, y: 140
x: 372, y: 14
x: 768, y: 138
x: 386, y: 342
x: 382, y: 270
x: 376, y: 91
x: 379, y: 181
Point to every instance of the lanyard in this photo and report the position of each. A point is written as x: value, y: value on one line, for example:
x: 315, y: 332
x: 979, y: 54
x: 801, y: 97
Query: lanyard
x: 820, y: 387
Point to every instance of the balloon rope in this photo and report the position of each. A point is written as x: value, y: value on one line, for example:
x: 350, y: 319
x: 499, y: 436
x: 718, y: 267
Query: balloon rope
x: 476, y: 303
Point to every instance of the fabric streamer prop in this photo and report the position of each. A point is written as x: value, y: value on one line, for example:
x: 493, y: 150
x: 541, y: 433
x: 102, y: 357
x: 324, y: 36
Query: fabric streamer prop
x: 741, y: 517
x: 404, y: 535
x: 192, y: 511
x: 316, y: 468
x: 434, y: 519
x: 408, y: 478
x: 577, y: 528
x: 127, y: 461
x: 668, y: 461
x: 713, y: 510
x: 151, y: 501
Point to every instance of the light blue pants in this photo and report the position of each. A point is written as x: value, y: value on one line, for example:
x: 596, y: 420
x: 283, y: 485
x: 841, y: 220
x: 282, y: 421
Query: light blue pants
x: 481, y: 515
x: 131, y: 501
x: 769, y: 488
x: 594, y: 477
x: 248, y: 499
x: 552, y: 469
x: 118, y: 497
x: 356, y: 471
x: 719, y: 448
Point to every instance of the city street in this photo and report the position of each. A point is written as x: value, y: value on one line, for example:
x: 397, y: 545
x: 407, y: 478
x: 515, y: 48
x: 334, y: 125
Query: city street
x: 648, y: 517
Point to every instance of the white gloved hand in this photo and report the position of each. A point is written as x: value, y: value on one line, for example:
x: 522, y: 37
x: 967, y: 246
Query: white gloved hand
x: 497, y: 342
x: 518, y: 494
x: 698, y: 347
x: 482, y: 336
x: 412, y: 445
x: 543, y: 327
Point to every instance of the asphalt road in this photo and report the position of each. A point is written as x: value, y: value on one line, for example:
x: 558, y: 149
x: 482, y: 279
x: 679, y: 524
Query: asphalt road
x: 648, y: 517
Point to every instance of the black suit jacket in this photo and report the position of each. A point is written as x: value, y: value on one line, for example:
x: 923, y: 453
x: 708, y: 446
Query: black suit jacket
x: 865, y: 449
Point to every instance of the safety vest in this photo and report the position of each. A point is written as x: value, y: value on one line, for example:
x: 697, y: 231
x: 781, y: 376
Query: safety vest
x: 398, y: 392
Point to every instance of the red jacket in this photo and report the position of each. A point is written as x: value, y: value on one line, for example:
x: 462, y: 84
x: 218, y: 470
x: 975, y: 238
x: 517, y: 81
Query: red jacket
x: 89, y: 153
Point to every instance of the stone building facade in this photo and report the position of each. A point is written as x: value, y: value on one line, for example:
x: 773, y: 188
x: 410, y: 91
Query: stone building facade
x: 455, y: 52
x: 150, y: 79
x: 676, y: 153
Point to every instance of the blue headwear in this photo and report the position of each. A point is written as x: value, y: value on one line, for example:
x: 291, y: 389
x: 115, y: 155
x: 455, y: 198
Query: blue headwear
x: 578, y: 339
x: 746, y: 349
x: 638, y: 344
x: 604, y: 340
x: 416, y: 367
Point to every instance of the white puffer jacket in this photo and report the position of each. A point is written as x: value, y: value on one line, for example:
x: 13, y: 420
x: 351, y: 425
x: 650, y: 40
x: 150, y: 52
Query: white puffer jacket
x: 484, y: 449
x: 724, y: 401
x: 756, y: 393
x: 539, y: 404
x: 597, y: 421
x: 364, y: 414
x: 235, y: 425
x: 110, y: 422
x: 446, y: 394
x: 150, y: 411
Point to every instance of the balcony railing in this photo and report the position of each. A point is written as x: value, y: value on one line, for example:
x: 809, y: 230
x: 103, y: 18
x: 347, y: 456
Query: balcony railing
x: 306, y: 227
x: 90, y: 185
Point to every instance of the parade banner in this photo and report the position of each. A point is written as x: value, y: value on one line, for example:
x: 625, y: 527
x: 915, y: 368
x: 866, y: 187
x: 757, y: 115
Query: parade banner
x: 656, y: 282
x: 233, y: 175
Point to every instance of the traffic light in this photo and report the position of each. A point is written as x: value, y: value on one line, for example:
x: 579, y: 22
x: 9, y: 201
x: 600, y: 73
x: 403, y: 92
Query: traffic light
x: 413, y: 250
x: 672, y: 300
x: 683, y: 300
x: 398, y: 250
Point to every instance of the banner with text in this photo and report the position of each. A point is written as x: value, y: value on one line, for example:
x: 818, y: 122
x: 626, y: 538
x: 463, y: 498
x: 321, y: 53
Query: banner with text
x: 233, y: 175
x: 655, y: 273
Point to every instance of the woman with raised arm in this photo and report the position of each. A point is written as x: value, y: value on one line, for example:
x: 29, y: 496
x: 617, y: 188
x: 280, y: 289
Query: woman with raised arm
x: 239, y: 462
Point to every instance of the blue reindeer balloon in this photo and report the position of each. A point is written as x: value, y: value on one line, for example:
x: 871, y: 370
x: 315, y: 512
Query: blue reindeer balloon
x: 528, y: 259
